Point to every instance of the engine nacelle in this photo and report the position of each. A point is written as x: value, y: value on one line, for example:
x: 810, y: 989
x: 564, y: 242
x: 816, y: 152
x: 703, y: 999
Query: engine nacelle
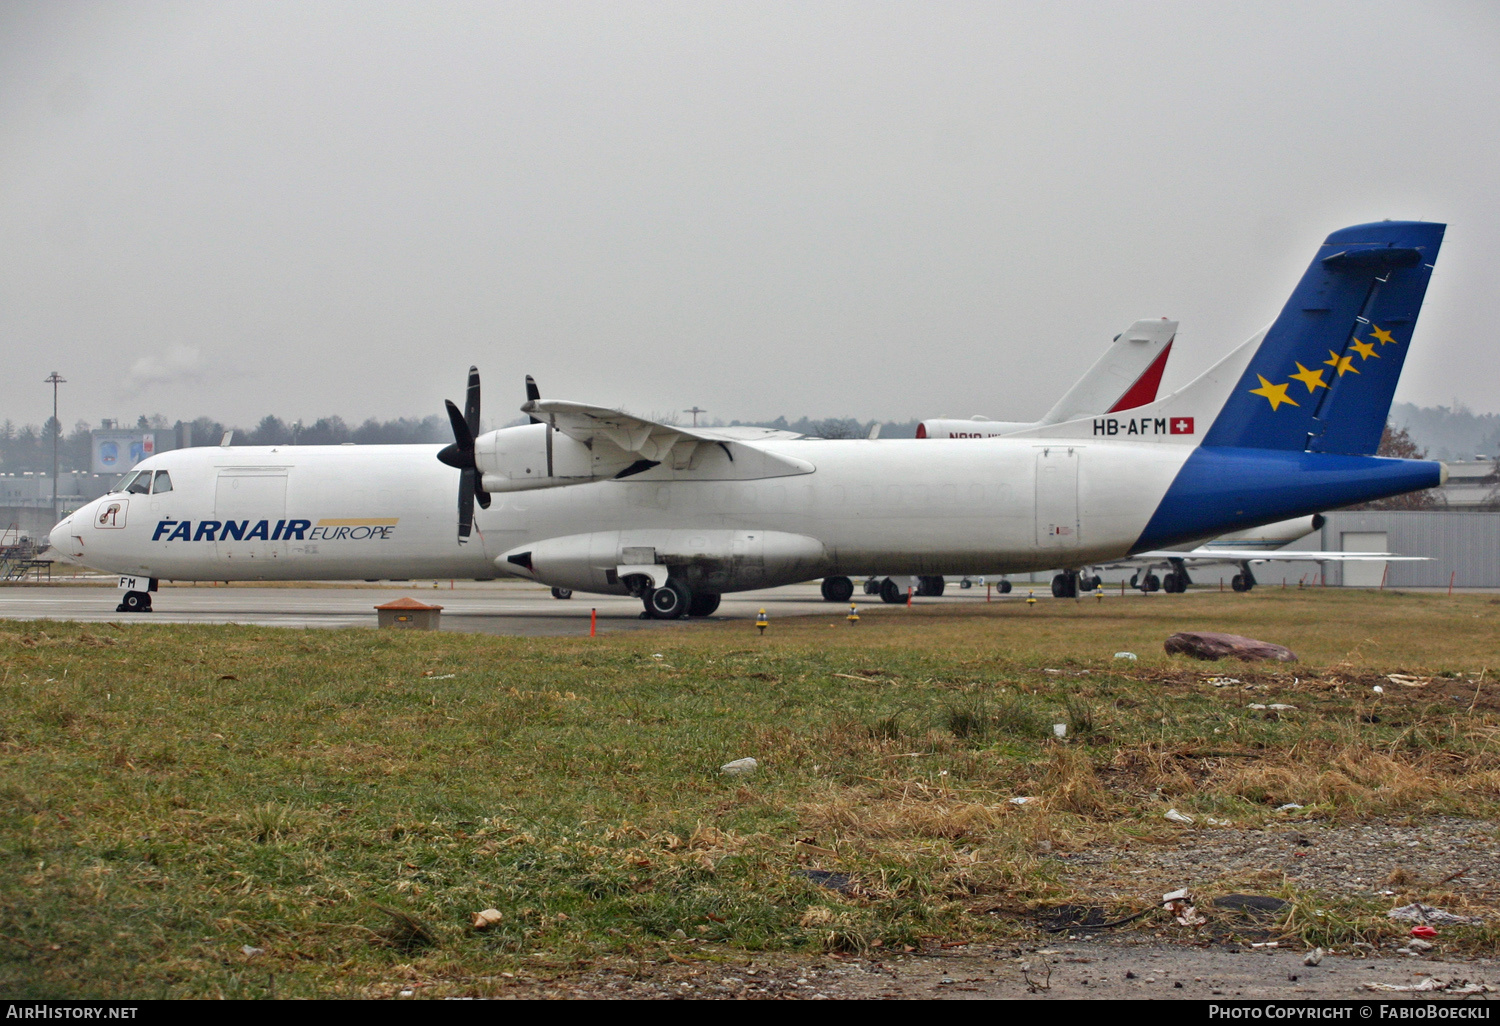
x: 708, y: 560
x: 529, y: 456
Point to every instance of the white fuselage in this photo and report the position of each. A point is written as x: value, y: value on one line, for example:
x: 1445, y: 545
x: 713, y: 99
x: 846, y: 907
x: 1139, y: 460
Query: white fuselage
x: 383, y: 512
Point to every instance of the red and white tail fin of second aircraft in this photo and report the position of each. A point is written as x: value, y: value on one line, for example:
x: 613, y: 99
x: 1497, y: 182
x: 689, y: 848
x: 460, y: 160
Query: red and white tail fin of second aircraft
x: 1126, y: 376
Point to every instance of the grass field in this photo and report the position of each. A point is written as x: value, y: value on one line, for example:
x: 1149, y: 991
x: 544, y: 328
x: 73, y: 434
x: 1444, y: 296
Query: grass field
x: 346, y: 800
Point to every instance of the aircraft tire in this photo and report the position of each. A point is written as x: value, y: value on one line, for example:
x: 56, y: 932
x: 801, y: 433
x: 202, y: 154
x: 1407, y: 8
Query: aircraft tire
x: 562, y: 593
x: 703, y: 605
x: 837, y: 589
x: 1065, y: 586
x: 930, y: 587
x: 965, y: 584
x: 1238, y: 583
x: 1152, y: 583
x: 872, y: 587
x: 135, y: 602
x: 891, y: 592
x: 1169, y: 583
x: 1004, y: 587
x: 669, y: 603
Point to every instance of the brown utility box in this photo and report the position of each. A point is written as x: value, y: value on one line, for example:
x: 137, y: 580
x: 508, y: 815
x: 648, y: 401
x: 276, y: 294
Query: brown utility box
x: 409, y: 613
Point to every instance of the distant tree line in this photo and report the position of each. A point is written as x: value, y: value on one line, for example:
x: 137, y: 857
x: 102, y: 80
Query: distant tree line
x: 29, y: 447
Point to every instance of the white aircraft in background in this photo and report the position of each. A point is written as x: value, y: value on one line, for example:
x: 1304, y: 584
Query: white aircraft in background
x: 1126, y: 376
x: 1240, y: 548
x: 599, y: 500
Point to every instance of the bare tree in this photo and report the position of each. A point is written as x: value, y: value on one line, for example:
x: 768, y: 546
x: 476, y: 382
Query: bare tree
x: 1398, y: 444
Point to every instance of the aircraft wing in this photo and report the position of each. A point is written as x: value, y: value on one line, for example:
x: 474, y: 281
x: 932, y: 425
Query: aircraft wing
x: 680, y: 448
x: 1280, y: 555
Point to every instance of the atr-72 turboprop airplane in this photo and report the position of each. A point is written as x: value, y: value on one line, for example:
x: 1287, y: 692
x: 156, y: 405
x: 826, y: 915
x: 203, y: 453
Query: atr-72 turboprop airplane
x: 597, y: 500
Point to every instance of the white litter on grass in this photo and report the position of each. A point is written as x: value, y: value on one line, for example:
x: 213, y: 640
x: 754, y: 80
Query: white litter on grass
x: 739, y: 768
x: 1216, y: 822
x: 1220, y: 682
x: 1379, y: 690
x: 485, y: 919
x: 1178, y: 903
x: 1256, y: 705
x: 1177, y: 817
x: 1059, y: 730
x: 1407, y: 680
x: 250, y: 952
x: 656, y: 655
x: 1279, y: 707
x: 1417, y: 912
x: 1126, y: 655
x: 1432, y: 984
x: 1023, y: 801
x: 1314, y: 956
x: 1288, y: 807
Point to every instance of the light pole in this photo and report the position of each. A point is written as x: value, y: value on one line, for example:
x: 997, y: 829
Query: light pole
x: 54, y: 379
x: 695, y: 411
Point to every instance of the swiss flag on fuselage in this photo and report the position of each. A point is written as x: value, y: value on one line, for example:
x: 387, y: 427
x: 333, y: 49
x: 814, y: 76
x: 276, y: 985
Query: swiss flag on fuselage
x: 1182, y: 425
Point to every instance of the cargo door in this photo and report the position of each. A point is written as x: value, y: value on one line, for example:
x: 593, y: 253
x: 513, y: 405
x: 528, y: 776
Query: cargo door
x: 1057, y: 499
x: 250, y: 506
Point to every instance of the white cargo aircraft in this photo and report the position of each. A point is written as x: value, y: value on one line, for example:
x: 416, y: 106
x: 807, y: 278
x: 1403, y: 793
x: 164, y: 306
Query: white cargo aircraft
x: 598, y: 500
x: 1126, y: 376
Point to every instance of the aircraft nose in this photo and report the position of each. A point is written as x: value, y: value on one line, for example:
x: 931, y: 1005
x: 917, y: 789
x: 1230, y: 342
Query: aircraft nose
x: 60, y: 538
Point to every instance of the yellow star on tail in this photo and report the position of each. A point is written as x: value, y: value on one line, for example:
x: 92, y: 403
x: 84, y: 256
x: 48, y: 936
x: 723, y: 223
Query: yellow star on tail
x: 1275, y: 394
x: 1382, y: 336
x: 1364, y: 349
x: 1340, y: 363
x: 1311, y: 378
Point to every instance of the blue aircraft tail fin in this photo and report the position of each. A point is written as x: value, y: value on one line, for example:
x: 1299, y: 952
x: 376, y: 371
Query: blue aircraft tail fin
x: 1323, y: 378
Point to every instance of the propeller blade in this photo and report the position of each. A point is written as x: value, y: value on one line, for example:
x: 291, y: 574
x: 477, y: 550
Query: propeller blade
x: 471, y: 403
x: 461, y: 453
x: 532, y: 394
x: 465, y: 504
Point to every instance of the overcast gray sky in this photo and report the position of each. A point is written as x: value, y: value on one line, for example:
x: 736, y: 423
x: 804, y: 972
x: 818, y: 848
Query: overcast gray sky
x: 866, y: 209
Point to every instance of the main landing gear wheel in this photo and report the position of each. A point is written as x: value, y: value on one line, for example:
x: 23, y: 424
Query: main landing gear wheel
x: 837, y: 589
x: 1065, y: 586
x: 1239, y: 582
x: 891, y: 592
x: 668, y: 603
x: 562, y: 593
x: 135, y: 602
x: 703, y: 605
x: 930, y: 587
x: 1004, y: 587
x: 1151, y: 583
x: 1172, y: 584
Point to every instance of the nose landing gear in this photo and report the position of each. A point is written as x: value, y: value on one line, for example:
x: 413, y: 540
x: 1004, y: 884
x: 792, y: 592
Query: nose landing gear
x: 135, y: 602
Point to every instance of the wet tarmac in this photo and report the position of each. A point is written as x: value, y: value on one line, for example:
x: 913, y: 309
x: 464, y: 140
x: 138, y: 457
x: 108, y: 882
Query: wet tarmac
x: 495, y: 607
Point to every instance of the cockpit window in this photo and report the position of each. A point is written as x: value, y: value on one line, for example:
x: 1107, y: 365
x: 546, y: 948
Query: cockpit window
x: 124, y: 481
x: 141, y: 485
x: 163, y: 483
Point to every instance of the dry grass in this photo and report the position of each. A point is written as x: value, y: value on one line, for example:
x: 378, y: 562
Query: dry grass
x: 347, y: 800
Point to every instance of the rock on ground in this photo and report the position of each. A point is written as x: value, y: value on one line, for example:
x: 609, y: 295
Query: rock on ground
x: 1208, y: 645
